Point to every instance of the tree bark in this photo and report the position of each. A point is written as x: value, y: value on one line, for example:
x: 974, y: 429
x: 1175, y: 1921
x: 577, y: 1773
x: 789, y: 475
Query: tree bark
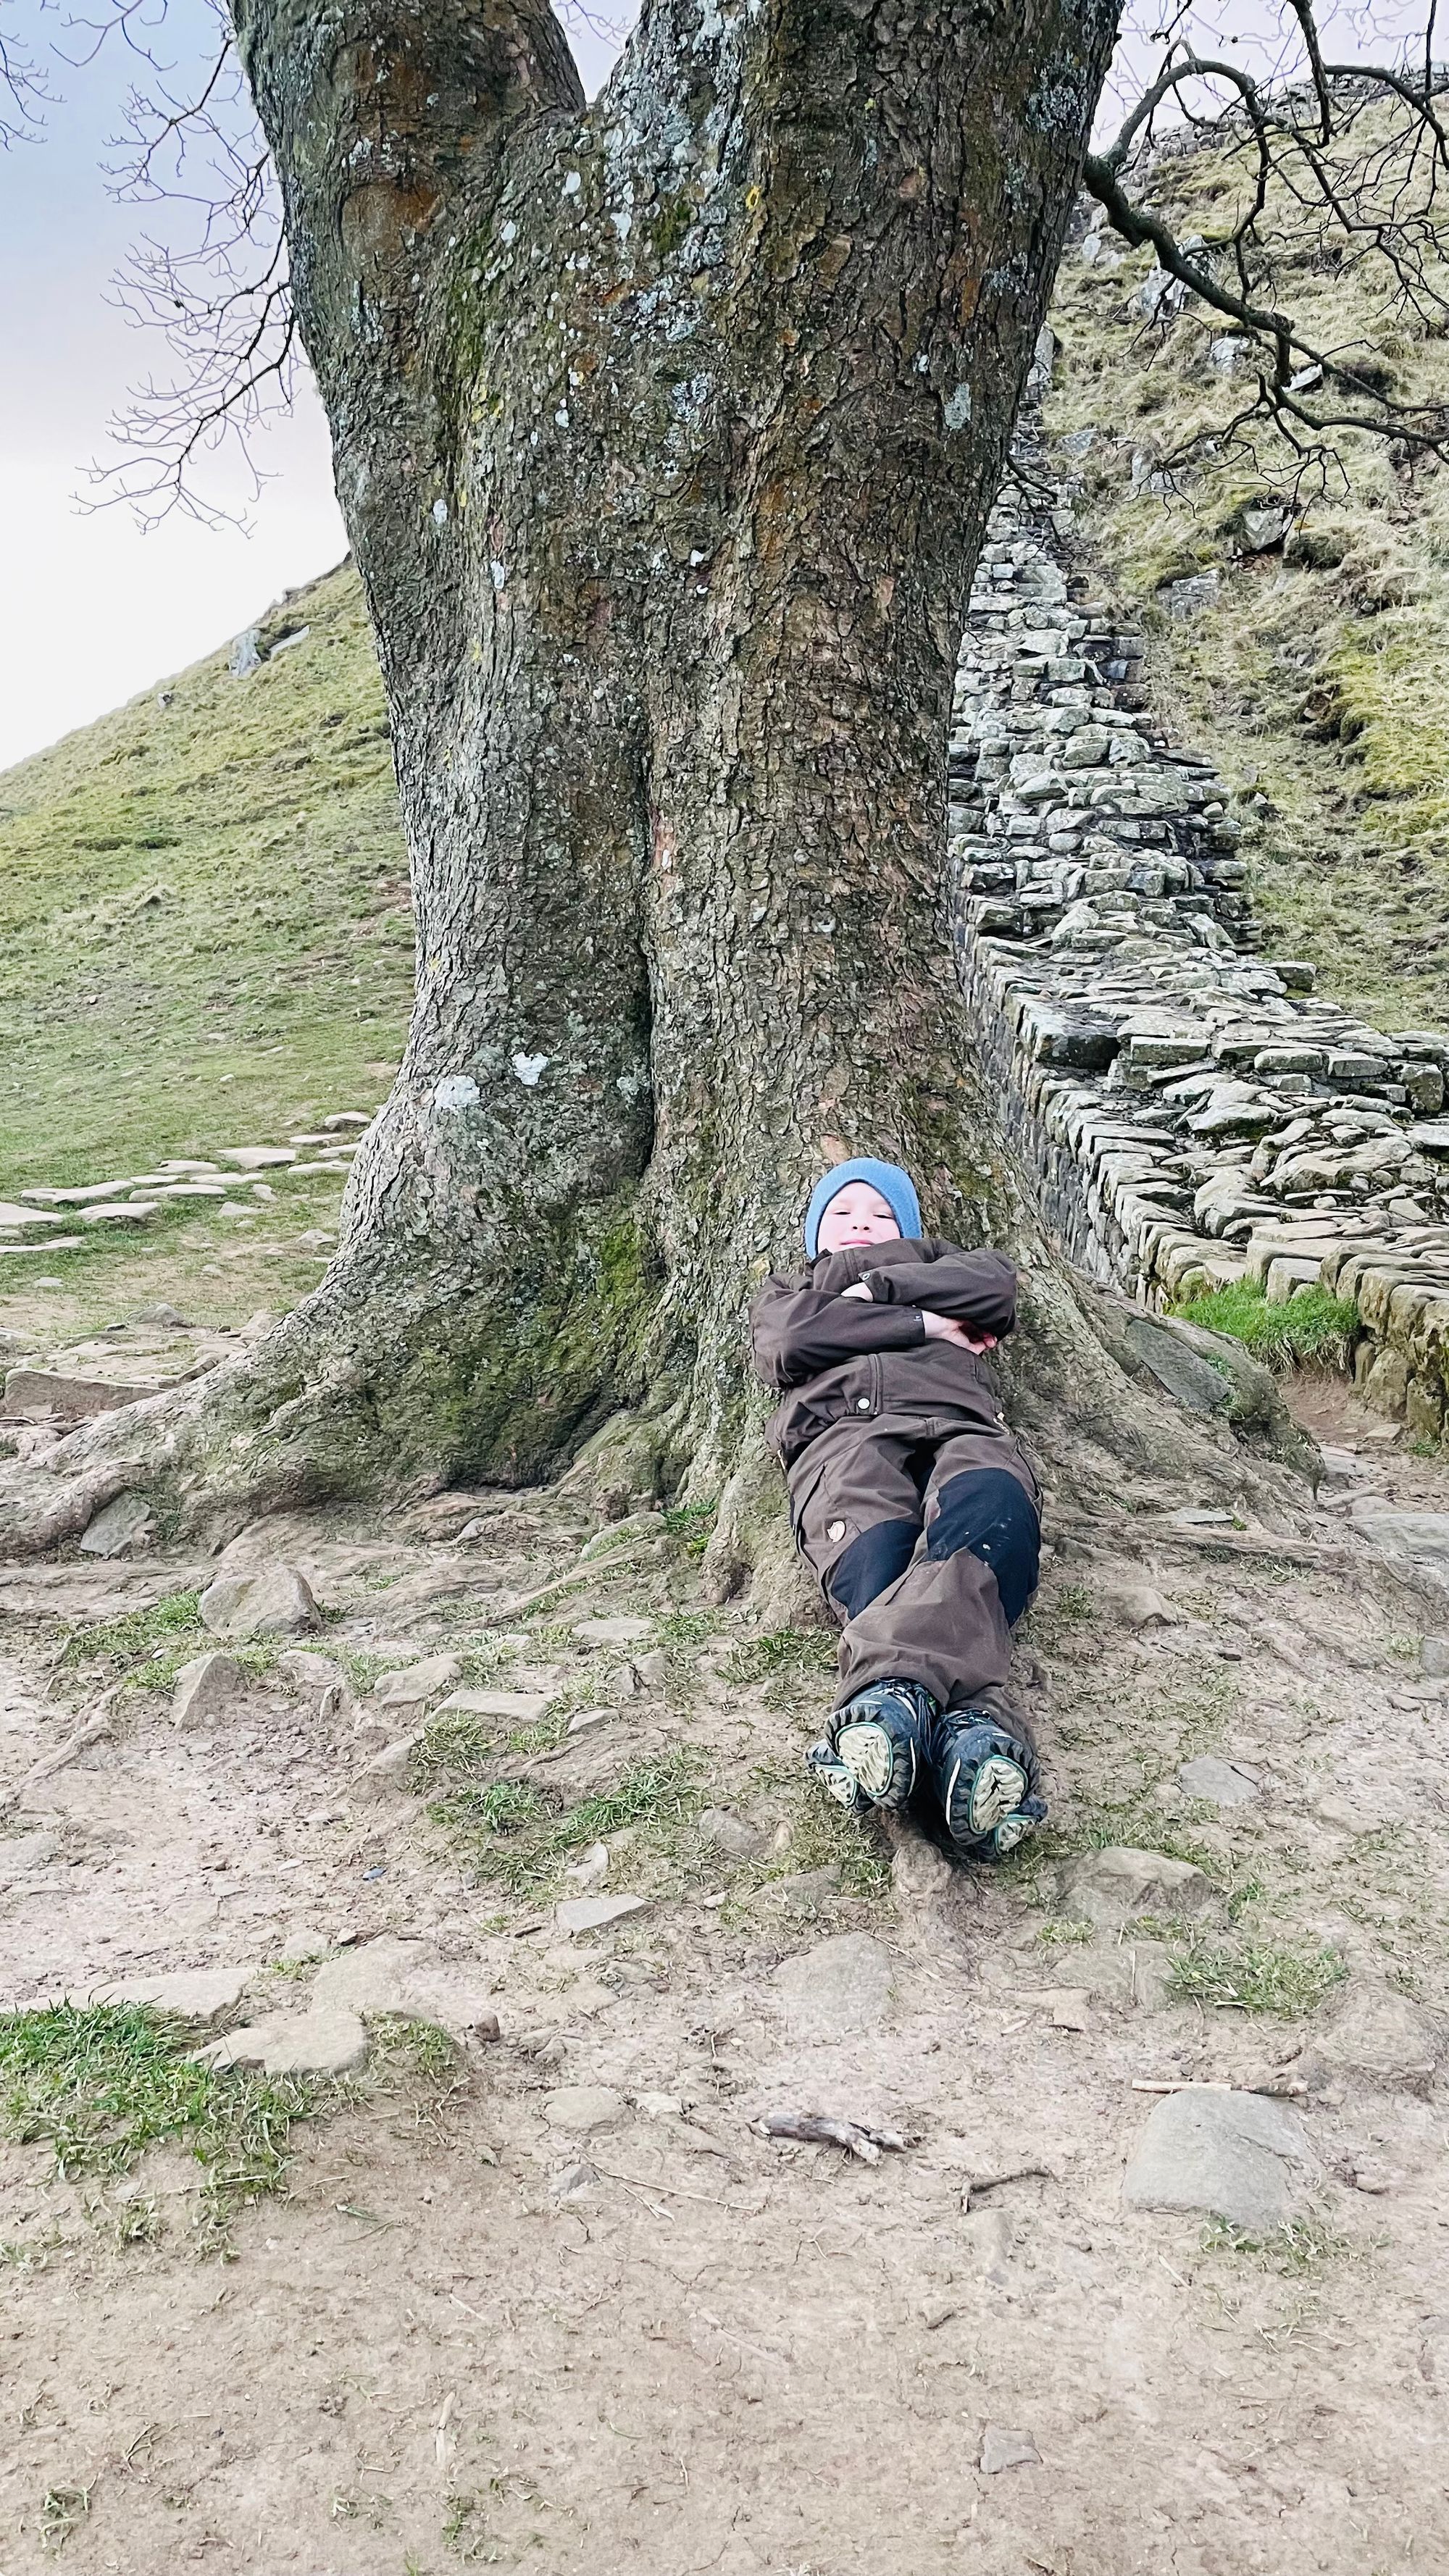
x: 665, y: 431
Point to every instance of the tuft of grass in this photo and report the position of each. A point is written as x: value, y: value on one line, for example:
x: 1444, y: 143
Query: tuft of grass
x: 146, y: 1649
x: 1259, y: 1977
x: 1064, y: 1931
x: 786, y: 1659
x: 1300, y: 2245
x: 62, y: 2511
x: 504, y: 1807
x: 1312, y: 1330
x: 103, y: 2082
x: 402, y: 2042
x: 520, y: 1842
x: 680, y: 1630
x: 691, y: 1526
x: 140, y: 1635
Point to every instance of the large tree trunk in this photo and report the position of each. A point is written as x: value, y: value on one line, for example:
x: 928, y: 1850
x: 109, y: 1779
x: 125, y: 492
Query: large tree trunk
x: 665, y: 433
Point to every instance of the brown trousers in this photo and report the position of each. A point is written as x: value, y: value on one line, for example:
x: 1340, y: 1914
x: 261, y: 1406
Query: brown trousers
x: 923, y: 1533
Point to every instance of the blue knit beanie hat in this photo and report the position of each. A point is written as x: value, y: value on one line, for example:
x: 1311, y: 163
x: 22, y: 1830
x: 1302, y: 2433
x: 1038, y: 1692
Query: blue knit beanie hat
x: 895, y: 1186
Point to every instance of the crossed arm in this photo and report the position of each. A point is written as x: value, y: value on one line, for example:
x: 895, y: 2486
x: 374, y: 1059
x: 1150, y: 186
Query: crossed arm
x: 965, y: 1298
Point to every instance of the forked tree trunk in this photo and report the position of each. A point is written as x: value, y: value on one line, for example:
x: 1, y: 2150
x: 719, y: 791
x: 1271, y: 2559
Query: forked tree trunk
x: 665, y: 432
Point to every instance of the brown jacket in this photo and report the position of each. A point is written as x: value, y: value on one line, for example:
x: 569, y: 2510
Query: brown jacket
x: 840, y: 1356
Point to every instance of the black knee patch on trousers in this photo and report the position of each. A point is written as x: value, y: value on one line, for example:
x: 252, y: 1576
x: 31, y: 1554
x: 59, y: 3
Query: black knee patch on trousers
x: 987, y: 1511
x: 878, y: 1557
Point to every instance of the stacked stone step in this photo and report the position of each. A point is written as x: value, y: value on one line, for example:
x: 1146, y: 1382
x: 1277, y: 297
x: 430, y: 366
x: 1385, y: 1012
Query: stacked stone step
x: 1191, y: 1113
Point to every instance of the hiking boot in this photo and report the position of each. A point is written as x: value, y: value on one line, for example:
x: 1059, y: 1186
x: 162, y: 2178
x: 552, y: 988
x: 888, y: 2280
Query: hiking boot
x: 986, y: 1777
x: 882, y: 1739
x: 823, y: 1765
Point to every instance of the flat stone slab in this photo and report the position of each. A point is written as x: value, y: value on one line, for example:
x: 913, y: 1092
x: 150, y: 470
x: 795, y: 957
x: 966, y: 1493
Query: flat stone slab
x: 414, y: 1686
x: 21, y: 1853
x: 398, y: 1976
x: 1240, y: 2156
x: 730, y: 1835
x: 193, y: 1994
x: 387, y: 1772
x: 595, y: 1913
x: 1117, y: 1885
x: 839, y: 1987
x: 1218, y: 1782
x: 580, y: 2109
x: 125, y: 1523
x: 1384, y: 2039
x: 1001, y: 2449
x: 1416, y: 1542
x: 211, y: 1687
x: 60, y: 1391
x: 613, y: 1632
x: 519, y: 1708
x: 310, y: 2043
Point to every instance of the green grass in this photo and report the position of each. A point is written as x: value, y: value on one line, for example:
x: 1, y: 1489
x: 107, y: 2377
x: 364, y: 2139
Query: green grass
x: 100, y: 2083
x: 1258, y: 1977
x: 691, y: 1526
x: 204, y: 922
x: 1299, y: 2246
x: 146, y: 1649
x: 1313, y: 1329
x: 205, y: 940
x: 518, y: 1840
x: 787, y: 1660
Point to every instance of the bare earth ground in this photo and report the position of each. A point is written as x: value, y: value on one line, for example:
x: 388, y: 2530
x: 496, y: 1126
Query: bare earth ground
x: 478, y: 2329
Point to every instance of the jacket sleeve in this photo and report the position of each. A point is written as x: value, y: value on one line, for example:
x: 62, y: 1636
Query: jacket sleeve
x: 798, y: 1331
x: 973, y: 1287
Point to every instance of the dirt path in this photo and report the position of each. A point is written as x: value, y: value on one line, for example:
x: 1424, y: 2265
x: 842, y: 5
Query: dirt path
x: 550, y: 2301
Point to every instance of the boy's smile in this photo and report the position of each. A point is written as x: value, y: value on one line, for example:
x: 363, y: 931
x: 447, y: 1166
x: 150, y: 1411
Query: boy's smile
x: 857, y: 1214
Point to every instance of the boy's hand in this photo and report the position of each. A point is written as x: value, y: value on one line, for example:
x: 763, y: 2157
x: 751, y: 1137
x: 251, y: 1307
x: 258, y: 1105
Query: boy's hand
x: 944, y: 1328
x: 939, y: 1328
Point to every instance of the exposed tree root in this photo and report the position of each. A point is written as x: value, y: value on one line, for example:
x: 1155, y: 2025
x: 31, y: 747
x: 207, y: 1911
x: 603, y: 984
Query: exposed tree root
x: 312, y: 1412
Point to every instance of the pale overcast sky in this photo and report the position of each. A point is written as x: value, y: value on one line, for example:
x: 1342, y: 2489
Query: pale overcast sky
x: 95, y: 609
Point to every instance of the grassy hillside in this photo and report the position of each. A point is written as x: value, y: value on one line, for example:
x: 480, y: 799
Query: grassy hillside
x: 1319, y: 678
x: 205, y: 933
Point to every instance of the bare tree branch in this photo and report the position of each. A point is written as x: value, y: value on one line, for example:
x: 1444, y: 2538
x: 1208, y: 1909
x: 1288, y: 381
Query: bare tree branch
x: 1355, y: 192
x: 25, y: 90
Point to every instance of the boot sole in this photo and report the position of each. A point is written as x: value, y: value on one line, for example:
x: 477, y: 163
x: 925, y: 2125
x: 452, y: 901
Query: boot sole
x: 838, y: 1784
x: 884, y: 1772
x: 1011, y: 1831
x: 996, y: 1790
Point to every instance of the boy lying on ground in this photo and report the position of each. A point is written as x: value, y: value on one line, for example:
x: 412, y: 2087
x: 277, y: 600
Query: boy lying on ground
x: 910, y: 1502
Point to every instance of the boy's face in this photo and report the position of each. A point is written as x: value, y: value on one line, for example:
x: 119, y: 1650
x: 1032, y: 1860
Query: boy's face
x: 857, y: 1214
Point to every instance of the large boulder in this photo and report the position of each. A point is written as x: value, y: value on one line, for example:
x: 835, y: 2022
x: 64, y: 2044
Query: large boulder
x: 273, y: 1601
x: 1120, y: 1885
x: 1383, y: 2039
x: 1207, y: 1373
x: 1239, y: 2155
x: 208, y: 1690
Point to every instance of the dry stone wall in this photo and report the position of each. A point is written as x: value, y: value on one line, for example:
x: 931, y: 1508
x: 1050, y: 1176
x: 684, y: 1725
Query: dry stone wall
x: 1189, y: 1111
